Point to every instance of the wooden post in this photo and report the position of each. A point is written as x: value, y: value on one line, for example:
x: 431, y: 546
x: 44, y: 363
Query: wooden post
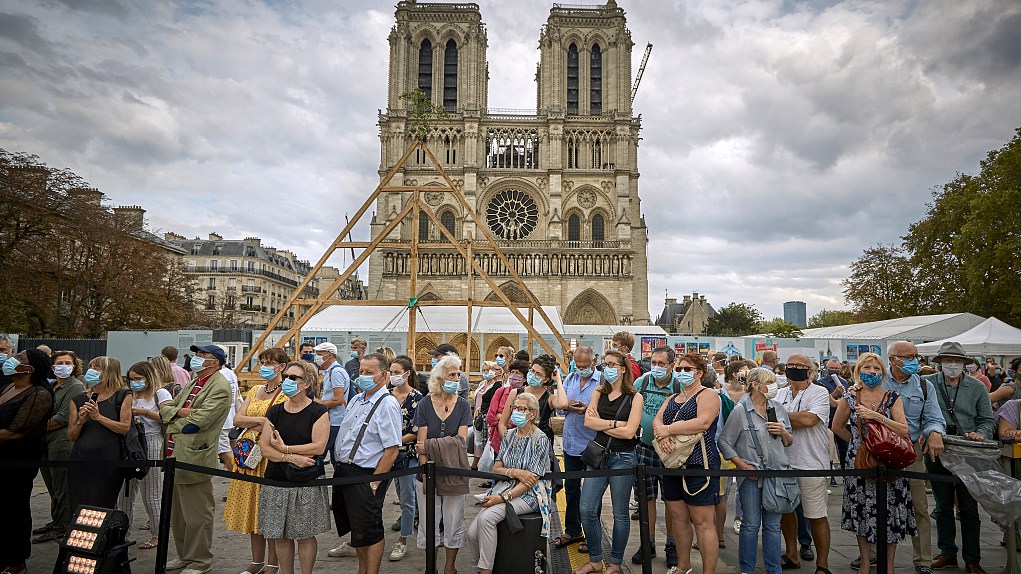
x: 413, y: 287
x: 531, y: 318
x: 471, y: 291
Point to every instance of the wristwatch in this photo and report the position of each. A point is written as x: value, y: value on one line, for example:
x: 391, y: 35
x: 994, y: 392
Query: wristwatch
x: 506, y: 496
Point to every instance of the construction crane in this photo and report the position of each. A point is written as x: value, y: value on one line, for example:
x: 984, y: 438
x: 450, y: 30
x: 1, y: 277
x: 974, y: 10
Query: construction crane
x: 641, y: 70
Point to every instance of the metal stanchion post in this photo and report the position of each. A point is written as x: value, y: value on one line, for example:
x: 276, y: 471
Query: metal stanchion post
x: 166, y: 503
x: 430, y: 517
x: 882, y: 514
x: 643, y: 519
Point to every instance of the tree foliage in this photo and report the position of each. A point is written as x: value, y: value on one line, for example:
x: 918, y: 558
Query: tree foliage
x: 734, y: 320
x: 70, y: 268
x: 831, y: 318
x: 421, y: 112
x: 777, y: 327
x: 963, y: 256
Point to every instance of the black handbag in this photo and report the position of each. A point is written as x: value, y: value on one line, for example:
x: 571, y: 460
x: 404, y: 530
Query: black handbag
x: 595, y: 453
x: 295, y: 473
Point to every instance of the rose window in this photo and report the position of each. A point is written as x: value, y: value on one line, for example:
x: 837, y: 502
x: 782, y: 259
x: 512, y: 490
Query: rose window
x: 512, y: 214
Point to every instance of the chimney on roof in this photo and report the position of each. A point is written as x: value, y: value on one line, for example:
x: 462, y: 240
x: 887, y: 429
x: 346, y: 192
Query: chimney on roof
x: 130, y: 216
x: 687, y: 299
x: 694, y: 295
x: 253, y: 241
x: 215, y: 236
x: 701, y: 299
x: 88, y: 195
x: 171, y: 236
x: 671, y: 300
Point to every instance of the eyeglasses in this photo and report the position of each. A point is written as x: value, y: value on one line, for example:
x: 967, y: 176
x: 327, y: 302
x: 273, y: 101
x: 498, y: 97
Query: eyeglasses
x: 501, y: 356
x: 795, y: 366
x: 268, y: 363
x: 522, y: 409
x: 611, y: 365
x: 295, y: 378
x: 660, y: 364
x: 906, y: 357
x: 685, y: 369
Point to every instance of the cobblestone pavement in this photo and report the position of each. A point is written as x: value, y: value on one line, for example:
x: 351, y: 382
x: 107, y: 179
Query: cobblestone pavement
x: 233, y: 552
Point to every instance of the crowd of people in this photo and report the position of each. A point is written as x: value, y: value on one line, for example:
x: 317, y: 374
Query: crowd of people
x: 373, y: 413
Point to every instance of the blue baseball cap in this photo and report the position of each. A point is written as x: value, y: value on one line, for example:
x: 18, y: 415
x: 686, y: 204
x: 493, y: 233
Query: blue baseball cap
x: 214, y: 350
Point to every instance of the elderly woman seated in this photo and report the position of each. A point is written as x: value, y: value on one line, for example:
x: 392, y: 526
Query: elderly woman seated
x: 523, y: 459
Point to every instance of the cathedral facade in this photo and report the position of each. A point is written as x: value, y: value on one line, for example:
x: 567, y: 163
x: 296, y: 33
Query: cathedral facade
x: 557, y: 186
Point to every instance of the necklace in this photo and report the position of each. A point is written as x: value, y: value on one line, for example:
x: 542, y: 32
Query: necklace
x: 274, y: 389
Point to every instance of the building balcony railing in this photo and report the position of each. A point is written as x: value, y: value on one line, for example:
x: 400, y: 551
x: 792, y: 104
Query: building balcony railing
x: 312, y: 291
x: 251, y: 289
x: 254, y: 308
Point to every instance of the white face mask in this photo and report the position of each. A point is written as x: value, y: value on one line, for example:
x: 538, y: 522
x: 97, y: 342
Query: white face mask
x: 781, y: 381
x: 952, y: 370
x: 319, y: 359
x: 771, y: 390
x: 396, y: 380
x: 63, y: 371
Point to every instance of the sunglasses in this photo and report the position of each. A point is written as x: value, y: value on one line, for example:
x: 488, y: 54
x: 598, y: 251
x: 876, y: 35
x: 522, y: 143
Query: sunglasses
x: 685, y: 369
x: 295, y: 378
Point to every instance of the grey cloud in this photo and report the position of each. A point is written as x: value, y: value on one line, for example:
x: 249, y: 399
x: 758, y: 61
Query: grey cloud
x: 23, y: 31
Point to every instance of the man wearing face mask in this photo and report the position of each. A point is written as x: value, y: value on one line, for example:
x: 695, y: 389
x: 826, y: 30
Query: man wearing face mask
x: 307, y: 352
x: 656, y: 387
x: 335, y: 390
x: 808, y: 408
x: 573, y: 397
x: 194, y: 419
x: 926, y: 428
x: 358, y: 346
x: 964, y: 404
x: 6, y: 352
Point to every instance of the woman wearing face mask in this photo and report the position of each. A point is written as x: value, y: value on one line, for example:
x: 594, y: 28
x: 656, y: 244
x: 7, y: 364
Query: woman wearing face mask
x: 241, y: 513
x: 773, y: 431
x: 403, y: 388
x: 25, y: 404
x: 294, y: 432
x: 615, y: 413
x: 538, y: 381
x: 67, y: 386
x: 97, y: 419
x: 692, y: 500
x: 973, y: 369
x: 491, y: 380
x: 145, y: 407
x: 441, y: 416
x: 731, y: 393
x: 524, y: 459
x: 504, y: 355
x: 517, y: 371
x: 869, y: 401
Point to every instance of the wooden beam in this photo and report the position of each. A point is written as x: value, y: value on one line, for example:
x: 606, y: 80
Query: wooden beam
x: 413, y: 286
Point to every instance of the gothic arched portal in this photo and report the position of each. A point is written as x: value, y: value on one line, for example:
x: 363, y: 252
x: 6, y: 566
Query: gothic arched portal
x: 590, y: 308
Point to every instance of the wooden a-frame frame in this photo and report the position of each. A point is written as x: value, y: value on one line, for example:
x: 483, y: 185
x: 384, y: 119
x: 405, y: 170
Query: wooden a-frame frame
x: 305, y: 309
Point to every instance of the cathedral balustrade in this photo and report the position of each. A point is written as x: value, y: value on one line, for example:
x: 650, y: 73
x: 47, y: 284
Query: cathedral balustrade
x: 396, y: 263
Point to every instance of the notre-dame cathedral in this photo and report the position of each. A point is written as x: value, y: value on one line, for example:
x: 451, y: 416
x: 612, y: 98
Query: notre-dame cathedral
x: 557, y: 185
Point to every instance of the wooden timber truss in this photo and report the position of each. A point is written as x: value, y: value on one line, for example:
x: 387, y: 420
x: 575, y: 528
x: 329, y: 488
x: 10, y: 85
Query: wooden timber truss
x: 304, y: 309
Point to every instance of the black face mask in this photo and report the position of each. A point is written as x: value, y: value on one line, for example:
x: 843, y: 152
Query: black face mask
x: 795, y: 374
x: 833, y: 371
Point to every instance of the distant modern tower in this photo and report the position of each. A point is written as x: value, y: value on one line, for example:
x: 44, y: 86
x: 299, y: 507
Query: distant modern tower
x: 795, y: 312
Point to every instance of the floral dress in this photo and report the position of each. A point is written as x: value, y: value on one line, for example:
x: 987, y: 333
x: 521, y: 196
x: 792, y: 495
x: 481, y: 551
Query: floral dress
x: 241, y: 513
x: 859, y: 504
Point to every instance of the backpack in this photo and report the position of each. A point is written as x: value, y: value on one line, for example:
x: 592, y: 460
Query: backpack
x: 351, y: 391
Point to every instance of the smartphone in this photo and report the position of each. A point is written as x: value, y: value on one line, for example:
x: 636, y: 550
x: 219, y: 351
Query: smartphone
x: 771, y: 414
x: 480, y: 498
x: 576, y: 404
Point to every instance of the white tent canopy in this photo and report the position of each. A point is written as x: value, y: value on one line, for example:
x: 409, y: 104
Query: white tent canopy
x: 438, y: 319
x: 992, y: 337
x: 917, y: 328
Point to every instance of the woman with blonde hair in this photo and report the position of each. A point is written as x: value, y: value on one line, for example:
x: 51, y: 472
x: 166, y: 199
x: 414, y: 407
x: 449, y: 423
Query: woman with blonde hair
x: 492, y: 379
x: 147, y: 398
x: 440, y: 417
x: 97, y: 419
x: 165, y: 375
x: 869, y: 401
x: 241, y: 513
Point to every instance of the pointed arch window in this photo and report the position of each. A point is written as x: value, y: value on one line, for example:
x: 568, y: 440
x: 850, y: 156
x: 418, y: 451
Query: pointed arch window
x: 598, y: 230
x: 425, y: 68
x: 572, y: 79
x: 423, y: 226
x: 596, y: 81
x: 574, y: 228
x: 447, y: 219
x: 450, y: 76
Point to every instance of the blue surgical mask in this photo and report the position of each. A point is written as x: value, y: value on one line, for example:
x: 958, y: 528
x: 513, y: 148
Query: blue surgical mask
x: 451, y: 386
x: 354, y: 354
x: 686, y: 378
x: 91, y: 378
x: 137, y: 386
x: 366, y: 382
x: 910, y: 367
x: 659, y: 373
x: 534, y: 380
x: 434, y: 361
x: 872, y: 380
x: 310, y: 357
x: 519, y: 419
x: 501, y: 361
x: 197, y: 364
x: 488, y: 375
x: 611, y: 374
x: 5, y: 356
x: 267, y: 372
x: 289, y: 388
x: 585, y: 373
x: 10, y: 364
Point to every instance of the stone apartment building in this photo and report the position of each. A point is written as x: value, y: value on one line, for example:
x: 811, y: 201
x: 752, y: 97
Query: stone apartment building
x: 689, y: 317
x: 557, y: 185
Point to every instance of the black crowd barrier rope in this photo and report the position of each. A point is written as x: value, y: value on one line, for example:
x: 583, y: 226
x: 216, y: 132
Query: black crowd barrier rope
x: 430, y: 471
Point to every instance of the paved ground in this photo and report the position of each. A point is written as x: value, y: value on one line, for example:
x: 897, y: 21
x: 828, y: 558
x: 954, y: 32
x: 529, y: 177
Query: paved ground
x: 232, y: 550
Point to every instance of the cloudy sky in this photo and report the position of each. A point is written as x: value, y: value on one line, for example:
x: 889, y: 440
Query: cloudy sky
x: 780, y: 138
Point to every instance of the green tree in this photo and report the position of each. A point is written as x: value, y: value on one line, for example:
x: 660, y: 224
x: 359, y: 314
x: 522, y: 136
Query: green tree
x: 777, y: 327
x: 831, y: 318
x: 881, y: 284
x: 734, y: 320
x: 421, y: 113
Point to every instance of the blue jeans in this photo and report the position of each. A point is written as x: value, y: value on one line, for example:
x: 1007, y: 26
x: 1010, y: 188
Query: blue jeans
x: 754, y: 517
x: 406, y: 496
x: 804, y: 527
x: 592, y: 490
x: 572, y: 490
